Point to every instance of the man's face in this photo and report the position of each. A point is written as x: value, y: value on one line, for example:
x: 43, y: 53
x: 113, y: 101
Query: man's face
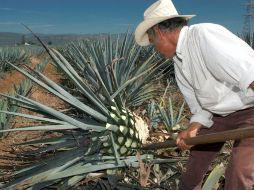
x: 162, y: 43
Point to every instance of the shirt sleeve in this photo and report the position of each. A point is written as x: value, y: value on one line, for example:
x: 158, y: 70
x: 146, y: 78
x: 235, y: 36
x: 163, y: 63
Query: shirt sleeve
x: 198, y: 114
x: 227, y: 57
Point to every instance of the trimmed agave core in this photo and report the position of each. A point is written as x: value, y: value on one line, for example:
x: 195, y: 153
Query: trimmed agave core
x: 131, y: 132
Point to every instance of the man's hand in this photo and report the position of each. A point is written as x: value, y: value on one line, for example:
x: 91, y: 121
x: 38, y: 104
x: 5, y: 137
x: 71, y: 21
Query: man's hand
x: 191, y: 131
x: 252, y: 85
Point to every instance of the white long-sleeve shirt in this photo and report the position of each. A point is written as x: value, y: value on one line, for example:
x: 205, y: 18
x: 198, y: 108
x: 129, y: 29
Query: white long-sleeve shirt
x: 213, y: 70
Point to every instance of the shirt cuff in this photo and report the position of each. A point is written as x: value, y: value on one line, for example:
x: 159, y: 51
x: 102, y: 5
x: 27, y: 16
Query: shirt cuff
x: 204, y: 117
x: 247, y: 80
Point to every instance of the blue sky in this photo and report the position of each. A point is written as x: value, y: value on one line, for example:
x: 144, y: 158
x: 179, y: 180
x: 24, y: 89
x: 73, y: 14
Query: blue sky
x: 108, y: 16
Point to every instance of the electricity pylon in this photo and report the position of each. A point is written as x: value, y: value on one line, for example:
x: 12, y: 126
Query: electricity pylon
x: 248, y: 18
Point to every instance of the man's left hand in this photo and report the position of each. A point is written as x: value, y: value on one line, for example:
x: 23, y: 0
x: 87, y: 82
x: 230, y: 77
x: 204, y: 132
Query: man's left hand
x: 252, y: 85
x: 191, y: 131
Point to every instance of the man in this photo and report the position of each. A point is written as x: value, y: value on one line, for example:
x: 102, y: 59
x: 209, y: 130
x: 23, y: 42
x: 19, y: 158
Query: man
x: 214, y: 70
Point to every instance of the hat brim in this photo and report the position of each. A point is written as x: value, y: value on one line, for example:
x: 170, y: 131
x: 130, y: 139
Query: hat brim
x: 141, y: 36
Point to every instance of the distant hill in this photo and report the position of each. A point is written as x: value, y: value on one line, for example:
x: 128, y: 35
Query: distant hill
x: 8, y: 38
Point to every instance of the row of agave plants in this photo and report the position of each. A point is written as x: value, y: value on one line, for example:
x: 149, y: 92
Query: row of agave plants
x: 17, y: 55
x: 100, y: 132
x: 23, y: 88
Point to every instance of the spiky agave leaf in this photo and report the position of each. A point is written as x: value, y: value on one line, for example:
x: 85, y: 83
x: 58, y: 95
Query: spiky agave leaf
x: 214, y: 177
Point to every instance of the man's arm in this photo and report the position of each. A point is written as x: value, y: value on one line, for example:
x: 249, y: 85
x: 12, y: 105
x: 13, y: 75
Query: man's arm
x: 200, y: 118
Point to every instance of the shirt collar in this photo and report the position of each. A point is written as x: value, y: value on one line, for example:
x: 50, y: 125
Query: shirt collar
x: 179, y: 47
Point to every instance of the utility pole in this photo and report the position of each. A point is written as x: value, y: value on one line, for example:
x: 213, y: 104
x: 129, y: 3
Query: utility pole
x: 247, y: 28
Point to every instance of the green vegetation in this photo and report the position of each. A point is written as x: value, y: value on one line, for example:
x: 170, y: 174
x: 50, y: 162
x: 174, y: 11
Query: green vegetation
x: 12, y: 54
x: 17, y: 55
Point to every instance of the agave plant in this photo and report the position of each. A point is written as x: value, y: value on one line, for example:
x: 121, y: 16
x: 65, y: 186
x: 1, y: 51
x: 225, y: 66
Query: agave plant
x: 99, y: 133
x: 115, y: 62
x: 165, y: 111
x: 170, y: 117
x: 13, y: 54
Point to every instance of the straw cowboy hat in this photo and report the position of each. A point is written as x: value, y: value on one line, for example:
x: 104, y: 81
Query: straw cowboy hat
x: 156, y: 13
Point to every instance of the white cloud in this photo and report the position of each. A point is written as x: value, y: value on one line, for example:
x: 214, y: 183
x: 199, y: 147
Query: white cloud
x: 41, y: 25
x: 125, y: 24
x: 6, y: 9
x: 21, y: 11
x: 9, y: 23
x: 31, y: 12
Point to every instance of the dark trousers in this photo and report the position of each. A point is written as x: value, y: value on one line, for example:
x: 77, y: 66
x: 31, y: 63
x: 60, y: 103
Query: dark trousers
x: 240, y: 170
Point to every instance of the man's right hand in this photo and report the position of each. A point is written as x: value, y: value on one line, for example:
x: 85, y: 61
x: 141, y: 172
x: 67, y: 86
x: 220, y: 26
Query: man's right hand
x: 191, y: 131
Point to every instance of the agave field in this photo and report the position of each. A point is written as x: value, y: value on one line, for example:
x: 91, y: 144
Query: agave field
x: 115, y: 96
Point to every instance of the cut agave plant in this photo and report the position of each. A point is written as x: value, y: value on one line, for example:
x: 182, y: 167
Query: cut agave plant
x: 101, y: 134
x: 130, y: 132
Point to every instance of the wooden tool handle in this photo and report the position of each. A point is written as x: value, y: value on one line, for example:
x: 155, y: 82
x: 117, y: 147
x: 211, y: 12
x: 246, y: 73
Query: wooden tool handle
x: 241, y: 133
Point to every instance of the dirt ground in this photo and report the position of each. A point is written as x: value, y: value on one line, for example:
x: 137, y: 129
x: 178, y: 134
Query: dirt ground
x: 8, y: 150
